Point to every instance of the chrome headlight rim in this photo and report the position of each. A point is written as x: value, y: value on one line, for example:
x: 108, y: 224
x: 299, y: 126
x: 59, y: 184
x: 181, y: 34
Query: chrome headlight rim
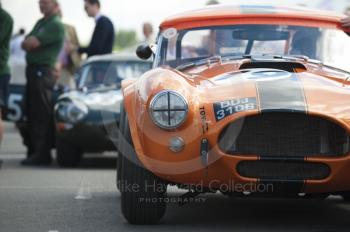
x: 153, y: 102
x: 79, y: 107
x: 65, y: 109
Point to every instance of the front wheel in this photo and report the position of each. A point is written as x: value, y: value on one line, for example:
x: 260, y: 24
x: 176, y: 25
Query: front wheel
x: 346, y: 196
x: 68, y: 155
x: 143, y: 194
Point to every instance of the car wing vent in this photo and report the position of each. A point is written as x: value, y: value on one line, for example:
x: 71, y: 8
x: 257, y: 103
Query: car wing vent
x: 292, y: 67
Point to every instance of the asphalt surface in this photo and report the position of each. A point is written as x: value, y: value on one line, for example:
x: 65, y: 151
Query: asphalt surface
x: 85, y: 199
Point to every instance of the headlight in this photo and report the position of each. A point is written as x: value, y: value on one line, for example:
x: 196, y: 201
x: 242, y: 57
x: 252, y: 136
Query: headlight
x: 72, y: 111
x: 168, y: 110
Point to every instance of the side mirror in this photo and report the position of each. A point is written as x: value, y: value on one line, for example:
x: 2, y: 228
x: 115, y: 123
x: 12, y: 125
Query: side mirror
x: 144, y: 51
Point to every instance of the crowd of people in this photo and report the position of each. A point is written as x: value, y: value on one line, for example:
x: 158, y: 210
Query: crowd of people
x: 52, y: 54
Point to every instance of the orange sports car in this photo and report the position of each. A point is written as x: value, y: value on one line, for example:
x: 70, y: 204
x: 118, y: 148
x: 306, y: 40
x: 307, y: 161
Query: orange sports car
x: 246, y: 101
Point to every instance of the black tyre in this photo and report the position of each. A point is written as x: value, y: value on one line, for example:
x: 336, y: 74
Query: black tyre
x: 346, y: 196
x: 143, y: 205
x: 119, y: 169
x: 120, y: 144
x: 68, y: 155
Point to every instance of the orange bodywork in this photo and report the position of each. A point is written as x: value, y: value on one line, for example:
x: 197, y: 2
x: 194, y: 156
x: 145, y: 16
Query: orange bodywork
x: 327, y: 94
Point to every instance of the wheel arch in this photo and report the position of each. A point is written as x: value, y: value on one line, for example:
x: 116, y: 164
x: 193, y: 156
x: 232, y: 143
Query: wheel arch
x: 131, y: 98
x: 137, y: 96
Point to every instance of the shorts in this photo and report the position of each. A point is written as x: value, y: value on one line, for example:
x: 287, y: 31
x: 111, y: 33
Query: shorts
x: 4, y: 84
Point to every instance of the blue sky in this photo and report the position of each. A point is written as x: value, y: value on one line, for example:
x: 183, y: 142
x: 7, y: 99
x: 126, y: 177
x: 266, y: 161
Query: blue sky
x: 132, y: 13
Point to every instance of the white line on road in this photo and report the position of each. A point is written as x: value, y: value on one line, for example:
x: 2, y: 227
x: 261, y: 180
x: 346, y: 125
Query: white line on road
x: 84, y: 192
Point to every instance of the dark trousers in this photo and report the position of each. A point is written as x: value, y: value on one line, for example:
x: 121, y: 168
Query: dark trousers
x: 4, y: 83
x: 39, y: 109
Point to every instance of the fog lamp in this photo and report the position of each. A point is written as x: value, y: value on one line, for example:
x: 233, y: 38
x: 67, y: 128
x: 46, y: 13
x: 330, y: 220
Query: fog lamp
x: 176, y: 144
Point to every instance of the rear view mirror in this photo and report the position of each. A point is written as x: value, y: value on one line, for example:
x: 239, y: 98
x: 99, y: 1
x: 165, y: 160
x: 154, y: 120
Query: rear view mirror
x: 144, y: 51
x: 260, y: 35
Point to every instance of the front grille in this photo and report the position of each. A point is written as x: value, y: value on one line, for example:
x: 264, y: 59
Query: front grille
x: 282, y: 170
x: 284, y: 135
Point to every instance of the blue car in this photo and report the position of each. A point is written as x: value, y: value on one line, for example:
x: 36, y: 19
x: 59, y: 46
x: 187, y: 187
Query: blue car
x: 85, y: 116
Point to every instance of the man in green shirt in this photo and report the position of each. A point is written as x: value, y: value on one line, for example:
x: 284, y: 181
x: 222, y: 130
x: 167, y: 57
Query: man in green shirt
x: 6, y: 25
x: 42, y: 45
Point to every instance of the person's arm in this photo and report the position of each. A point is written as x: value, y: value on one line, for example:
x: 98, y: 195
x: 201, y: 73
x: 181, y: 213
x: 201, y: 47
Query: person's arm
x: 51, y: 34
x: 31, y: 43
x: 6, y: 30
x: 74, y: 55
x: 75, y: 37
x: 5, y: 37
x: 3, y: 34
x: 73, y: 42
x: 83, y: 50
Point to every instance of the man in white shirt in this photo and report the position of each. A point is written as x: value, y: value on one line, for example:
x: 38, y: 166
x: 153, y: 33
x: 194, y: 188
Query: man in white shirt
x: 16, y: 45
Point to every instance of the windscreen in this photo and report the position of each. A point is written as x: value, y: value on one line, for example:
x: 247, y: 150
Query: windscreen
x: 110, y: 73
x: 331, y: 46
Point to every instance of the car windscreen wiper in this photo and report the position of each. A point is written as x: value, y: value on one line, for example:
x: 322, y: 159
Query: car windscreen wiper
x: 309, y: 60
x: 210, y: 60
x: 291, y: 57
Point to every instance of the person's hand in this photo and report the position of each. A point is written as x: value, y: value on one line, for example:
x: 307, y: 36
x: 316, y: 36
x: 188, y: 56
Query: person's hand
x: 346, y: 23
x: 30, y: 43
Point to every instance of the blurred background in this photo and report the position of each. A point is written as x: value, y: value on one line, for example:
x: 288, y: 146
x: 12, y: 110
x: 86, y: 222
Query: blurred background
x: 129, y: 15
